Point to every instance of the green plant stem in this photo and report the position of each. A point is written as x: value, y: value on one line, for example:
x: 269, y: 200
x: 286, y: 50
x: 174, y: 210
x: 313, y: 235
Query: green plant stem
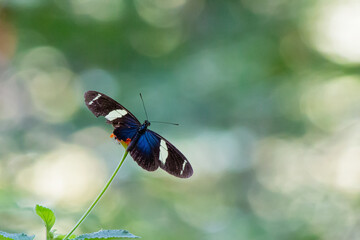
x: 98, y: 197
x: 48, y: 234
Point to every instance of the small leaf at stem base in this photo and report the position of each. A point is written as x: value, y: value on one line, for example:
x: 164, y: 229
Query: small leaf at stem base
x: 47, y: 215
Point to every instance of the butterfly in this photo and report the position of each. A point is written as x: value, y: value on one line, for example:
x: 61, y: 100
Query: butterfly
x: 149, y: 150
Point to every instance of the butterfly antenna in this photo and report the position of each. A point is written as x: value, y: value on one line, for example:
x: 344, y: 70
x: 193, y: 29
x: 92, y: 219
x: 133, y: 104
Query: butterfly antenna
x: 176, y: 124
x: 147, y: 118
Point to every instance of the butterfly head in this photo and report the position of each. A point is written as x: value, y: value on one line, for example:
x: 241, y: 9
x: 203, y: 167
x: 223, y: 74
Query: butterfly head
x: 143, y: 127
x: 147, y: 123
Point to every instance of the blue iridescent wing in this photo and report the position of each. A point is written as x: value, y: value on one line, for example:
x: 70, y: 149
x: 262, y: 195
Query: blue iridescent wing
x: 153, y: 151
x: 146, y: 151
x: 124, y: 133
x: 115, y: 114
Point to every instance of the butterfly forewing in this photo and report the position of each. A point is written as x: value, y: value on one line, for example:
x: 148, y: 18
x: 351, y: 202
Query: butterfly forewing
x: 115, y: 114
x: 172, y: 160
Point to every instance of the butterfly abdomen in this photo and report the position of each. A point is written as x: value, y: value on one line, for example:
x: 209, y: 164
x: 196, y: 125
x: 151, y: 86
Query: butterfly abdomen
x: 133, y: 142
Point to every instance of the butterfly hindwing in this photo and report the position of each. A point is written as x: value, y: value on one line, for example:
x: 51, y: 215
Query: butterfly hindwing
x: 146, y: 151
x: 125, y: 133
x: 115, y: 114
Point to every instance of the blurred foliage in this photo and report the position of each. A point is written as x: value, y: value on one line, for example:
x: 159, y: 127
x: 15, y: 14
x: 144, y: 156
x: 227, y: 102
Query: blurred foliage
x: 266, y: 94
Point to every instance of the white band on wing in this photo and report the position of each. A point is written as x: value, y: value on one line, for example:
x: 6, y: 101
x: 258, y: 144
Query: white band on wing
x: 118, y: 113
x: 95, y: 98
x: 163, y: 152
x: 183, y: 167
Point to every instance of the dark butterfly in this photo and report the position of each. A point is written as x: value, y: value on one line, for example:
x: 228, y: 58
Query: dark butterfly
x: 148, y: 149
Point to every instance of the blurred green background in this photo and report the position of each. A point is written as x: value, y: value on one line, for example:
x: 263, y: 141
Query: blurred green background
x: 266, y: 94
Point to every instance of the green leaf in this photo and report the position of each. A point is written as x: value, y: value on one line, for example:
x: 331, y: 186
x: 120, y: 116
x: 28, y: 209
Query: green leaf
x: 15, y: 236
x: 47, y: 215
x: 107, y: 234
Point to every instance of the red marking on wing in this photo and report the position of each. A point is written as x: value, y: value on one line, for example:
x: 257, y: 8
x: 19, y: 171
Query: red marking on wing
x: 124, y: 143
x: 114, y: 137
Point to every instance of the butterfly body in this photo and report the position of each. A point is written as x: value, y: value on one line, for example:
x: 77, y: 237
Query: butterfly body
x: 147, y: 148
x: 133, y: 141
